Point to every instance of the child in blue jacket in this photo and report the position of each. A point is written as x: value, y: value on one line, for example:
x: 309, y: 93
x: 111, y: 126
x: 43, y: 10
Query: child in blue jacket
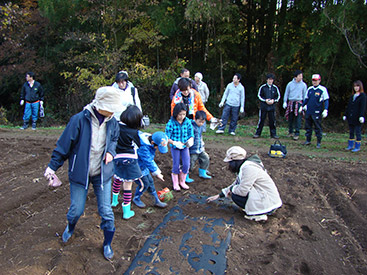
x: 197, y: 151
x: 146, y: 154
x: 89, y: 142
x: 181, y: 136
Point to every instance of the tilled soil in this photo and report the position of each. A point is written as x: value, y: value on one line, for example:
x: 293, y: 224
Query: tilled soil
x: 320, y: 229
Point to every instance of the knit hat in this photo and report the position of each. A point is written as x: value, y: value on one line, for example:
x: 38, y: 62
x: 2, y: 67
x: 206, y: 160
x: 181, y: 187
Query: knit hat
x: 108, y: 99
x: 199, y: 75
x: 161, y: 140
x: 235, y: 153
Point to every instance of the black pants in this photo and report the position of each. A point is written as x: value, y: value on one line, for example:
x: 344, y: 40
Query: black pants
x: 239, y: 200
x: 313, y: 120
x: 262, y: 117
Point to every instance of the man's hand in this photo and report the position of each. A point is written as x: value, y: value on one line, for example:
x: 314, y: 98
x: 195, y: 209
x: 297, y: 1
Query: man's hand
x: 21, y: 102
x: 49, y: 173
x: 344, y: 118
x: 361, y: 119
x: 324, y: 113
x: 285, y: 105
x: 108, y: 158
x: 242, y: 110
x: 41, y: 103
x: 221, y: 105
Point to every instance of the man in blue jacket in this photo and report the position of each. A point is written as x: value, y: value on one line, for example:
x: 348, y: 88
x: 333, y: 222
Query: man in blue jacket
x: 32, y: 95
x: 89, y: 143
x: 316, y: 105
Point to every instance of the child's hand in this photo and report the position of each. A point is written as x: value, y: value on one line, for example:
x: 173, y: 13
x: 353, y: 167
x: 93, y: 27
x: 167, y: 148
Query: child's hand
x: 178, y: 144
x: 190, y: 142
x: 160, y: 176
x: 108, y: 158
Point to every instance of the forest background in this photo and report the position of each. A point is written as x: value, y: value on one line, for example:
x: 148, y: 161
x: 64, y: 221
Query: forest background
x: 76, y: 46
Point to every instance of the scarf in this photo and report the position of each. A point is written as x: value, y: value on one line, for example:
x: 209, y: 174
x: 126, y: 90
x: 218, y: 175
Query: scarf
x: 178, y: 98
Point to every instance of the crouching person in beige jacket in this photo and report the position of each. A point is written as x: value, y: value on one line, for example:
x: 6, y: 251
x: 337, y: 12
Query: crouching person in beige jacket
x: 253, y: 190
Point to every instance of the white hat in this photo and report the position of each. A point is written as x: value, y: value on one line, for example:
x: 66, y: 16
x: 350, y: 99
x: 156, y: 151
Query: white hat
x: 108, y: 99
x: 235, y: 153
x: 199, y: 75
x: 316, y: 77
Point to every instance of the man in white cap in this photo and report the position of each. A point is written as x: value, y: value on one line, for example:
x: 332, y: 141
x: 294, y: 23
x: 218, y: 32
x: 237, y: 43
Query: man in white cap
x: 316, y: 106
x: 202, y: 87
x: 89, y: 142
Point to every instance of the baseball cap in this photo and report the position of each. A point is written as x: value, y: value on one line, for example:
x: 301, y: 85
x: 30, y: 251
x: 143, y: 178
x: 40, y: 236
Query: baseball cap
x: 161, y: 140
x: 235, y: 153
x: 316, y: 77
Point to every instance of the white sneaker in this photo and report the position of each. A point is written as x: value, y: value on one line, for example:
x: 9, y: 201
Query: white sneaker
x: 219, y: 132
x: 232, y: 133
x: 257, y: 218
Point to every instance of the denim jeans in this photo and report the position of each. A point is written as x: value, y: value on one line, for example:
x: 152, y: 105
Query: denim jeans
x: 295, y: 121
x: 78, y: 196
x: 148, y: 184
x: 229, y: 111
x: 31, y: 109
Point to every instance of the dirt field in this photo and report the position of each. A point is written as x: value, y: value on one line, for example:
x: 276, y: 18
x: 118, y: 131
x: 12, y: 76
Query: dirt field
x: 321, y: 228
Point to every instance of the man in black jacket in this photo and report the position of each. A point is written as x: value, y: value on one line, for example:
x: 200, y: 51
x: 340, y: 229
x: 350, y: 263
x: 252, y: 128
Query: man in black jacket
x: 268, y: 95
x: 32, y: 94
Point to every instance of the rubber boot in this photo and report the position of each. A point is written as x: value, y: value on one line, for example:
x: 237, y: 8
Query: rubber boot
x: 203, y: 174
x: 157, y: 201
x: 350, y: 144
x: 115, y: 199
x: 127, y: 213
x: 358, y: 146
x: 188, y: 180
x: 25, y: 125
x: 176, y: 186
x: 181, y: 180
x: 137, y: 200
x: 68, y: 232
x: 107, y: 249
x: 34, y: 125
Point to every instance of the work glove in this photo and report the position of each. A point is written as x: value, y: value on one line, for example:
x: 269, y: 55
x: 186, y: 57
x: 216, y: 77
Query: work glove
x: 285, y: 105
x: 300, y: 109
x: 242, y: 110
x: 21, y: 102
x: 324, y: 113
x: 221, y: 105
x: 213, y: 120
x: 53, y: 180
x: 178, y: 144
x: 41, y: 103
x: 361, y: 119
x: 344, y: 118
x: 190, y: 142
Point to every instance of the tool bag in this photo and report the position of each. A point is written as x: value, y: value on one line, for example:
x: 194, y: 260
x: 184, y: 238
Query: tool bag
x: 277, y: 150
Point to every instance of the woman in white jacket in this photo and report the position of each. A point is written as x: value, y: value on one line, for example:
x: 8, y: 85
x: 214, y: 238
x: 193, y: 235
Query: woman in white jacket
x: 253, y: 190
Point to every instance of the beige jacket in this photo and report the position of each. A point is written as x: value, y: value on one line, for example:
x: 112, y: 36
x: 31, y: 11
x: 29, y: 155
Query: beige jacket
x: 254, y: 181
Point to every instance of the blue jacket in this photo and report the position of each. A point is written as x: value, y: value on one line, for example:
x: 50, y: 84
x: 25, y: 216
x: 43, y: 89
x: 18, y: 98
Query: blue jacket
x: 32, y: 94
x: 317, y: 99
x: 179, y: 132
x: 74, y: 144
x: 146, y: 154
x: 198, y: 146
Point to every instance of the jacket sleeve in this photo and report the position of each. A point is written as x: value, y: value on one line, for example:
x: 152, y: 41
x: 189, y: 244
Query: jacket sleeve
x: 173, y: 104
x: 201, y: 107
x: 278, y: 96
x: 243, y: 98
x: 22, y: 93
x: 137, y: 100
x: 173, y: 90
x: 363, y: 106
x: 169, y: 129
x: 65, y: 143
x: 115, y: 132
x: 147, y: 158
x: 41, y: 93
x: 260, y: 94
x: 305, y: 101
x: 225, y: 95
x: 286, y: 93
